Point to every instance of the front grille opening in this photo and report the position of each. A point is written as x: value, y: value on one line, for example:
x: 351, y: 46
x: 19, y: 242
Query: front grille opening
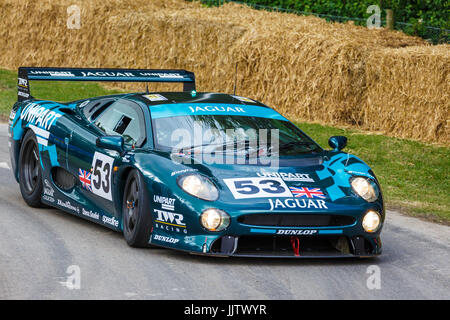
x: 296, y: 220
x: 362, y: 246
x: 281, y: 246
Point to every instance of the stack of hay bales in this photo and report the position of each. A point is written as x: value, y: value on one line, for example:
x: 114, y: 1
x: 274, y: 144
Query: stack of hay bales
x: 304, y: 67
x: 408, y: 92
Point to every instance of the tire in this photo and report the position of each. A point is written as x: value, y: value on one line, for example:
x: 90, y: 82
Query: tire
x: 30, y: 171
x: 136, y: 215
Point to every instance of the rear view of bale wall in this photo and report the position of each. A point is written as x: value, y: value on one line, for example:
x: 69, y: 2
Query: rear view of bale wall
x: 304, y: 67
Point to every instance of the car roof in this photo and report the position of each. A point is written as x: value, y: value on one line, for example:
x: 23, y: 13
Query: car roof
x: 178, y: 97
x: 197, y: 97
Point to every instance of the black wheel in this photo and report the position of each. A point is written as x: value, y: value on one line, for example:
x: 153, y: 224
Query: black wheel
x: 30, y: 172
x: 136, y: 215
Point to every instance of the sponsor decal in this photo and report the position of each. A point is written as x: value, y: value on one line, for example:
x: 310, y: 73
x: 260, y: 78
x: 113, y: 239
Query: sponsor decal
x: 106, y: 74
x: 41, y: 135
x: 111, y: 221
x: 90, y: 214
x: 23, y: 94
x: 257, y: 187
x: 183, y: 171
x: 297, y: 204
x: 101, y: 177
x: 126, y: 158
x: 84, y: 103
x: 85, y: 178
x: 166, y: 203
x: 243, y: 99
x: 293, y: 232
x: 161, y: 75
x: 226, y: 109
x: 170, y: 221
x: 48, y: 198
x: 68, y: 205
x: 12, y: 115
x: 48, y: 189
x: 23, y: 83
x: 52, y: 73
x: 165, y: 239
x: 287, y: 176
x: 357, y: 173
x: 40, y: 116
x: 155, y: 97
x: 307, y: 192
x: 187, y: 109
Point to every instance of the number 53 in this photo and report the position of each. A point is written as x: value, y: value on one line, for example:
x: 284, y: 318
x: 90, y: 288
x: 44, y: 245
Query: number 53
x: 258, y: 187
x: 101, y: 175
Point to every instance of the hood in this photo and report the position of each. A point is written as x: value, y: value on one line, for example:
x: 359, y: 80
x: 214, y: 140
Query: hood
x: 315, y: 182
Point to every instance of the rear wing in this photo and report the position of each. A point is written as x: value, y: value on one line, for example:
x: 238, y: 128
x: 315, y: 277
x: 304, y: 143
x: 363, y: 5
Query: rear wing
x: 99, y: 74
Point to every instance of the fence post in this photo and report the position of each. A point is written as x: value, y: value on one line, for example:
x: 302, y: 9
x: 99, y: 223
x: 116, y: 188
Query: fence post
x: 390, y: 19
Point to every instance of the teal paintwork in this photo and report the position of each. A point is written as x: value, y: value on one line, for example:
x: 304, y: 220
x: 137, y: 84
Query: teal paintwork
x: 114, y: 143
x: 337, y: 142
x: 69, y: 141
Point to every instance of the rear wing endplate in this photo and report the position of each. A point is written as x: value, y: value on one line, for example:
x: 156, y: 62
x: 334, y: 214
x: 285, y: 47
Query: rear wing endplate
x: 26, y: 74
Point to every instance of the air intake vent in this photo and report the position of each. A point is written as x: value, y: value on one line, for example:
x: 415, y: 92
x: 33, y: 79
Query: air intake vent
x: 67, y: 111
x: 296, y: 220
x: 63, y: 178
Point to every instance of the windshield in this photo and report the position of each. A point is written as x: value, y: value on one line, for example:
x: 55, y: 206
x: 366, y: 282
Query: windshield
x: 239, y: 135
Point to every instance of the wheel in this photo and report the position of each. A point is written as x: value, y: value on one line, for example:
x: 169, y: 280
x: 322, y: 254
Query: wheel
x: 30, y: 171
x: 136, y: 215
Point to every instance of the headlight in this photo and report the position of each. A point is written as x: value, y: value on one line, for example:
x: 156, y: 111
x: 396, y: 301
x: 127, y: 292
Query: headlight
x: 365, y: 188
x: 215, y: 220
x: 371, y: 221
x: 199, y: 186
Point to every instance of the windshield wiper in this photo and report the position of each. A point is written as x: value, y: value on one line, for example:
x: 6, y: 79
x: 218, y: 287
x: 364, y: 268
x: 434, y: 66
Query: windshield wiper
x: 292, y: 144
x: 191, y: 148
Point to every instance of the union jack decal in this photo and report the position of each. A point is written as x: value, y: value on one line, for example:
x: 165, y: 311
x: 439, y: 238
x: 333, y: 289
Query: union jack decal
x: 85, y: 178
x: 307, y: 192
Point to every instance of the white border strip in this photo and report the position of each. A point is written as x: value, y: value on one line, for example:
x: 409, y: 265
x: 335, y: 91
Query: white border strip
x: 40, y: 132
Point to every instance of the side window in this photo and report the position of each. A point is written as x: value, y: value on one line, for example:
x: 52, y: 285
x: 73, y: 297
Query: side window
x: 94, y: 108
x: 123, y: 118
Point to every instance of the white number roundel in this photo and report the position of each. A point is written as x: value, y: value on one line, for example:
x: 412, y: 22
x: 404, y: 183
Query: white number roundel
x: 102, y: 168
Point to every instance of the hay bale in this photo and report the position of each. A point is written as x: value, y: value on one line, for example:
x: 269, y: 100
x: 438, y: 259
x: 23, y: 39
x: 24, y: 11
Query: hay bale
x: 408, y: 92
x: 303, y: 66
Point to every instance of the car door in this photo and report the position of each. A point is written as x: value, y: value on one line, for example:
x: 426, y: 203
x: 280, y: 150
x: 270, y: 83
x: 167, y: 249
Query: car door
x: 95, y: 165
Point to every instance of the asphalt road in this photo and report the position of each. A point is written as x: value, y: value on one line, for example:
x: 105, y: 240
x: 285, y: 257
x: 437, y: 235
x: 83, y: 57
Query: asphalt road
x: 37, y: 246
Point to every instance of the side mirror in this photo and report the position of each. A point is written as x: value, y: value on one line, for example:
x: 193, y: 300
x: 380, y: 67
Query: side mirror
x: 115, y: 143
x: 337, y: 142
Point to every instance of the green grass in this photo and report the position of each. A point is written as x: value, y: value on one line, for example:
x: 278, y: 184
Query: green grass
x: 414, y: 176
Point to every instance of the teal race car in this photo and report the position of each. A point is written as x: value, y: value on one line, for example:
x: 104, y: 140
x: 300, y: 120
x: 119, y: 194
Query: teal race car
x: 206, y: 173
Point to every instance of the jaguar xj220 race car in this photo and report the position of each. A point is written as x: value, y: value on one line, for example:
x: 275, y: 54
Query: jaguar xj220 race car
x: 205, y: 173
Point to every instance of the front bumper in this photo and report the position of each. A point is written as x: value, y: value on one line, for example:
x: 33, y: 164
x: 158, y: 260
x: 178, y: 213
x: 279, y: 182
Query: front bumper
x: 336, y: 238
